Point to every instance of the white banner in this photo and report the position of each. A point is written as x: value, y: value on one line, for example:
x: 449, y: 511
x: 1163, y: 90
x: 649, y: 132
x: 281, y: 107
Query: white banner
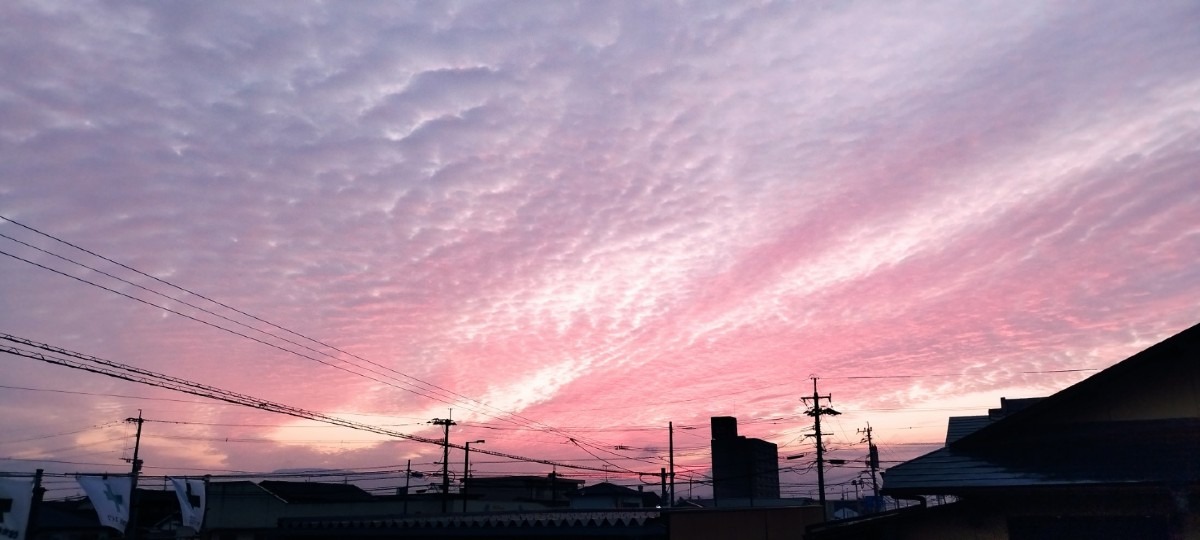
x: 110, y: 498
x: 15, y: 498
x: 191, y: 501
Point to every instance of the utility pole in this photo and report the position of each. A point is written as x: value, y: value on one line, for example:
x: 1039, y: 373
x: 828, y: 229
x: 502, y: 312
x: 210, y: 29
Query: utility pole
x: 131, y: 528
x: 663, y: 478
x: 445, y: 457
x: 407, y: 482
x: 671, y: 460
x: 872, y: 458
x: 816, y: 412
x: 554, y: 485
x: 35, y: 505
x: 467, y: 469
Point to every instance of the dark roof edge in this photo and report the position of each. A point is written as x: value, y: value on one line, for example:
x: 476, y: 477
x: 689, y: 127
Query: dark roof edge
x: 1114, y: 372
x: 1007, y: 489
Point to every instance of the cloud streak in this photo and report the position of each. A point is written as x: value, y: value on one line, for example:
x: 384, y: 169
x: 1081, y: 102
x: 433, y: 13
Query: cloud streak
x: 605, y: 215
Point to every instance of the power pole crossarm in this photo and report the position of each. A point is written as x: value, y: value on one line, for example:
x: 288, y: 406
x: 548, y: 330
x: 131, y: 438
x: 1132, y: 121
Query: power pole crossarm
x: 817, y: 411
x: 446, y: 423
x: 872, y: 459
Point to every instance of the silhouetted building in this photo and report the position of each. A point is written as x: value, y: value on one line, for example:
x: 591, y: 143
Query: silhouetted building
x: 550, y: 490
x: 1116, y: 455
x: 607, y: 495
x: 742, y: 468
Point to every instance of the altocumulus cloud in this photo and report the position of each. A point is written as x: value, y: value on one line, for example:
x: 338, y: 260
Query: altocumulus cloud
x: 560, y: 207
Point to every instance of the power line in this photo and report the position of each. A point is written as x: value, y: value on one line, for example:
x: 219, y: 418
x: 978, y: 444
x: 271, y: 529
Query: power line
x: 226, y: 306
x: 215, y: 314
x: 126, y: 396
x: 198, y: 295
x: 214, y: 325
x: 817, y: 411
x: 97, y: 426
x: 923, y: 375
x: 134, y: 374
x: 80, y: 393
x: 422, y: 388
x: 218, y: 424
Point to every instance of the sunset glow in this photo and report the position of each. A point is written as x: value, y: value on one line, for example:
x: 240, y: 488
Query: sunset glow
x: 571, y: 224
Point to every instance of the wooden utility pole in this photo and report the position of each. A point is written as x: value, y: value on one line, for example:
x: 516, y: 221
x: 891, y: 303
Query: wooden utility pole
x: 554, y: 484
x: 131, y: 530
x: 671, y: 451
x: 663, y: 479
x: 872, y: 459
x: 817, y: 411
x: 467, y: 470
x: 407, y: 483
x: 35, y: 504
x: 445, y: 458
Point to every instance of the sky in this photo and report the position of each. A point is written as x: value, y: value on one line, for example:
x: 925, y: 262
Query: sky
x: 567, y: 224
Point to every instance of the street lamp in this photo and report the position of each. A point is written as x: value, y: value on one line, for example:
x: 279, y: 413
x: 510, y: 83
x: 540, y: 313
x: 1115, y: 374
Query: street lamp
x: 467, y: 469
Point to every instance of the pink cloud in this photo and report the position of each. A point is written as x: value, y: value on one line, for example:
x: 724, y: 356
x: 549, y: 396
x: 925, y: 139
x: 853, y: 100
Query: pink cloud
x: 600, y: 217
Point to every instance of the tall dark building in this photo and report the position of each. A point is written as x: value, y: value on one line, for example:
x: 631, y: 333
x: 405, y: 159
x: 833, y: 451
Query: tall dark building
x: 742, y: 468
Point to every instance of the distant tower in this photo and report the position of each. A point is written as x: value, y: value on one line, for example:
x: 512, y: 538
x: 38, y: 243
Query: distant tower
x: 742, y: 468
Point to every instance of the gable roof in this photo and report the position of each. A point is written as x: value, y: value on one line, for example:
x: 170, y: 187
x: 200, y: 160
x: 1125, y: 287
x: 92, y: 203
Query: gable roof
x: 961, y: 426
x: 1174, y: 358
x: 1102, y: 453
x: 1085, y: 434
x: 605, y: 489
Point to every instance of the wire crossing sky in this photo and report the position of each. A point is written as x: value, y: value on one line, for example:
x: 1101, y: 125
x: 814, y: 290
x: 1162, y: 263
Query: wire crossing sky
x: 573, y: 222
x: 54, y: 355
